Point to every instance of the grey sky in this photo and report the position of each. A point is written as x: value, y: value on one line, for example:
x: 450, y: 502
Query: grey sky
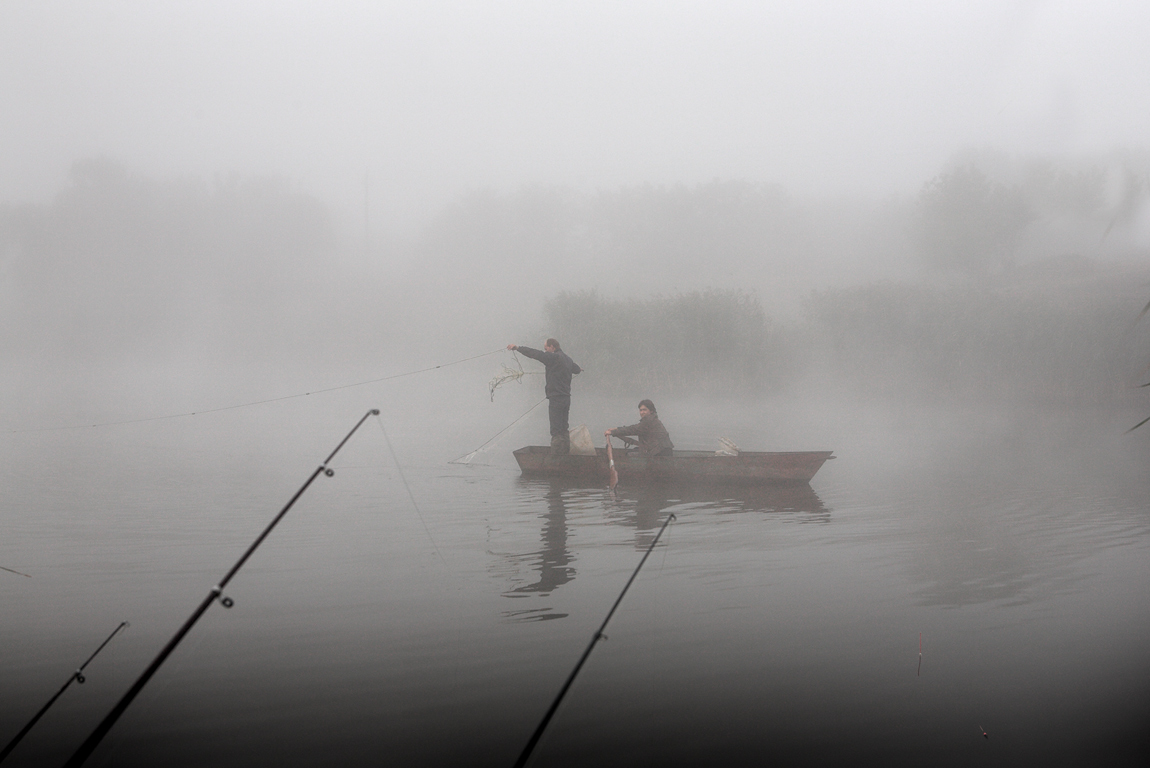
x: 437, y: 97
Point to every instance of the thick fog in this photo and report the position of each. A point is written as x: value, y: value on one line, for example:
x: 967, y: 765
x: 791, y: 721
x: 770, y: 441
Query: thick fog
x: 229, y: 201
x: 916, y: 234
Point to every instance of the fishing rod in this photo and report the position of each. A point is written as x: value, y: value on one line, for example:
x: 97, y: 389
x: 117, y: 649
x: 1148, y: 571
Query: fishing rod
x: 526, y: 754
x: 216, y: 593
x: 78, y: 676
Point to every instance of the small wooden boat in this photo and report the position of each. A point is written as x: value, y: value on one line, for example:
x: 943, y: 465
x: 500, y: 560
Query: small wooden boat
x: 747, y: 468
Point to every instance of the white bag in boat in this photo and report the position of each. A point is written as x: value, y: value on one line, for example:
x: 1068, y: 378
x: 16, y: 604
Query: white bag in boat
x: 728, y: 447
x: 581, y: 444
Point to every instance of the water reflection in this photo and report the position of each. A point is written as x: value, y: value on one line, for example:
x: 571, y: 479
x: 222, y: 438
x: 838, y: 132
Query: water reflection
x: 775, y: 499
x: 552, y: 562
x: 642, y: 506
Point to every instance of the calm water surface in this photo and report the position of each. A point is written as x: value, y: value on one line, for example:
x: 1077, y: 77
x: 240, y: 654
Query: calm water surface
x: 432, y: 622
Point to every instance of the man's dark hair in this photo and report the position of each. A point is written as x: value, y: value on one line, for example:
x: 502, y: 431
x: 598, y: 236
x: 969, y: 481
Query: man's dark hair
x: 553, y: 343
x: 650, y: 406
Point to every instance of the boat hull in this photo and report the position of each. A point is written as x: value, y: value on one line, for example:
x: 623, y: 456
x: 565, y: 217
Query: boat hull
x: 748, y: 468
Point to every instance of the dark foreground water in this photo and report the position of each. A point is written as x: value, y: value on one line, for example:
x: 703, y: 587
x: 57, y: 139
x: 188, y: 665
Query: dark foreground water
x: 767, y: 627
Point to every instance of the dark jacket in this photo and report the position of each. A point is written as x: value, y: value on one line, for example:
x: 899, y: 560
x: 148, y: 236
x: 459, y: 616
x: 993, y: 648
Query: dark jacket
x: 559, y: 370
x: 653, y: 437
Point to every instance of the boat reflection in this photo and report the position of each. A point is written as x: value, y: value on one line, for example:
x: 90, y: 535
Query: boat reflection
x: 643, y: 508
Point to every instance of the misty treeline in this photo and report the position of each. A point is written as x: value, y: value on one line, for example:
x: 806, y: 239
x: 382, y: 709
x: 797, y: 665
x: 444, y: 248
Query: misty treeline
x: 998, y: 277
x: 711, y: 341
x: 988, y: 213
x: 123, y: 265
x: 1058, y: 334
x: 1005, y: 279
x: 982, y: 215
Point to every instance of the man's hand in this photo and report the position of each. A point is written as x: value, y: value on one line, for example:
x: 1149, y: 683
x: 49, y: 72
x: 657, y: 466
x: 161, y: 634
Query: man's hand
x: 513, y: 347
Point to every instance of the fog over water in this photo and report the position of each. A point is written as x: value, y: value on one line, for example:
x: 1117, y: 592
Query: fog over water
x: 917, y: 234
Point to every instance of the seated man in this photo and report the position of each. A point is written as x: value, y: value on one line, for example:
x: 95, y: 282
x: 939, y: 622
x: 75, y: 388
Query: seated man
x: 653, y: 438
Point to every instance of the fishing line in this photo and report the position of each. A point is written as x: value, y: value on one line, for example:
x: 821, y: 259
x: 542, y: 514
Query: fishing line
x: 526, y: 754
x: 665, y: 550
x: 78, y: 676
x: 2, y: 568
x: 216, y: 593
x: 467, y: 457
x: 459, y: 612
x: 410, y: 495
x: 254, y: 402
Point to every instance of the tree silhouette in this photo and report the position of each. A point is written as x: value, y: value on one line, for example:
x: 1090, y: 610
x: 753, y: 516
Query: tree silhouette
x: 966, y: 222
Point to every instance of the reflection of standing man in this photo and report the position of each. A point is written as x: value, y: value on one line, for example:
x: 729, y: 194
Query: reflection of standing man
x: 558, y: 389
x: 554, y: 561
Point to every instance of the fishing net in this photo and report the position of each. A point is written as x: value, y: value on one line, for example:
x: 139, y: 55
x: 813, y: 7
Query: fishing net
x: 509, y: 374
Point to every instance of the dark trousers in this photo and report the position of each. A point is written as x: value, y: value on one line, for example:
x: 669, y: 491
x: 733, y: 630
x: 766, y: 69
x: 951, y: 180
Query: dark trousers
x: 557, y: 409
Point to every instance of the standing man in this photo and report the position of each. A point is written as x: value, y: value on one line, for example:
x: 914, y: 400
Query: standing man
x: 558, y: 389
